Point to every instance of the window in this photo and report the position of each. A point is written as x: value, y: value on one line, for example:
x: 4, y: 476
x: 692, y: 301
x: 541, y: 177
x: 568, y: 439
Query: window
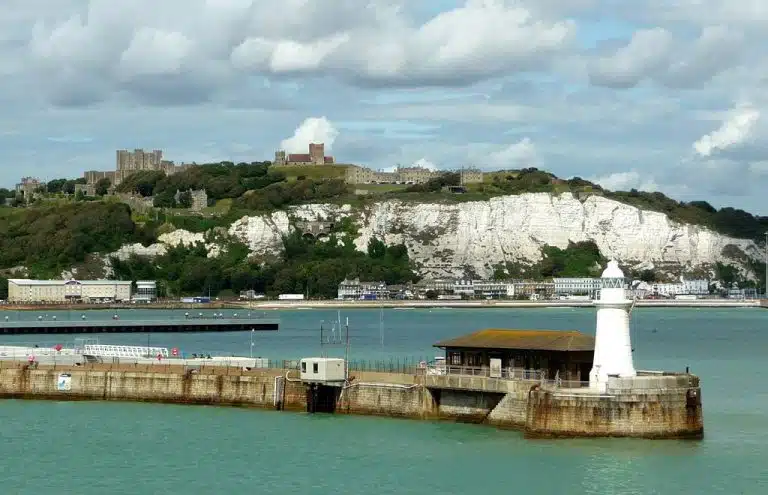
x: 303, y: 367
x: 455, y: 359
x: 314, y: 368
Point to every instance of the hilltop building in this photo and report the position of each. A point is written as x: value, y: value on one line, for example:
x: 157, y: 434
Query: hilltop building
x: 130, y: 162
x: 406, y: 175
x: 199, y: 199
x: 316, y: 156
x: 27, y: 188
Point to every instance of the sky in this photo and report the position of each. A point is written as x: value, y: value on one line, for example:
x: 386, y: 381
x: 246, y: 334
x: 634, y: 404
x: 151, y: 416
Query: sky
x: 663, y: 95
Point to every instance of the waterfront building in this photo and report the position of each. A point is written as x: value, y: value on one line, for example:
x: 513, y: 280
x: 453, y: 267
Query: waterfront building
x: 146, y: 291
x: 464, y: 288
x: 355, y: 289
x: 534, y: 288
x: 581, y: 286
x: 566, y: 355
x: 65, y: 291
x: 699, y: 287
x: 439, y: 286
x: 494, y: 289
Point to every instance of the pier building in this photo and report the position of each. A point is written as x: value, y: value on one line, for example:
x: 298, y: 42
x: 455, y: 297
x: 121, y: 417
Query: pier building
x: 565, y: 355
x: 544, y: 383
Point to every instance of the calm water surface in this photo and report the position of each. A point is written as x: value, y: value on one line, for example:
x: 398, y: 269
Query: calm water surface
x: 100, y: 448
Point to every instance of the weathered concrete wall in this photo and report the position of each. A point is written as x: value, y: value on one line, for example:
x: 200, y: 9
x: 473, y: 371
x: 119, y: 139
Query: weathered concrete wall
x: 511, y: 412
x: 383, y: 399
x: 674, y: 413
x: 670, y: 410
x: 214, y: 386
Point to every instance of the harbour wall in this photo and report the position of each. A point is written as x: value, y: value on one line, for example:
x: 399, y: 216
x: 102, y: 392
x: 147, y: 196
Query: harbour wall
x: 647, y: 407
x: 517, y: 404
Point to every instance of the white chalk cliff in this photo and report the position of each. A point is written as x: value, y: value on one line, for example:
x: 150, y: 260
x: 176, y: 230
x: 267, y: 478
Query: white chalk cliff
x: 445, y: 238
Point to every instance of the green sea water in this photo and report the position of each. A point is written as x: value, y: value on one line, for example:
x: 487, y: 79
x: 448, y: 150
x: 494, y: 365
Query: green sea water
x: 126, y: 448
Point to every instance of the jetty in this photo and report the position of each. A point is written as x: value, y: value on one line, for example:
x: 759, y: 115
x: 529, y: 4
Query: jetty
x: 82, y: 324
x: 542, y: 382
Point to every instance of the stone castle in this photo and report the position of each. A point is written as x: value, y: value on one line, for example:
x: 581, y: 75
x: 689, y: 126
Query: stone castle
x: 316, y: 156
x: 356, y: 174
x: 130, y: 162
x: 405, y: 175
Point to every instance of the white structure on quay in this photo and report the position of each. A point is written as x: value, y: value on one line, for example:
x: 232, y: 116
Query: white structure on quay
x: 63, y: 291
x: 613, y: 348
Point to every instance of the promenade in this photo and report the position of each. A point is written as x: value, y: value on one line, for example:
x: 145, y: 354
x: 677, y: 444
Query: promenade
x: 396, y: 304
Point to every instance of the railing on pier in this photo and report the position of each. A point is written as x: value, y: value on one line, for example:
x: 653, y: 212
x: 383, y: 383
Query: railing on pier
x: 124, y: 351
x: 559, y: 384
x: 504, y: 373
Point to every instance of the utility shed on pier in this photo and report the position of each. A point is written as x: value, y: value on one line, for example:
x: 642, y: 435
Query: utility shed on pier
x: 567, y: 354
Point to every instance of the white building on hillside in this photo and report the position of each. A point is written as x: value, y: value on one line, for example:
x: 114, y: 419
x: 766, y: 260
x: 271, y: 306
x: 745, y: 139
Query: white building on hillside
x: 63, y: 291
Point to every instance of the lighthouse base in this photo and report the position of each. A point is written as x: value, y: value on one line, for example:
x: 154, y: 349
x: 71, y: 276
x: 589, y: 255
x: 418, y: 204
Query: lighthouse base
x: 650, y: 405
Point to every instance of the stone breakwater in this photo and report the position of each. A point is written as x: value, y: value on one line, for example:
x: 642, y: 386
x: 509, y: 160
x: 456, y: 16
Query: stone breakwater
x: 669, y: 407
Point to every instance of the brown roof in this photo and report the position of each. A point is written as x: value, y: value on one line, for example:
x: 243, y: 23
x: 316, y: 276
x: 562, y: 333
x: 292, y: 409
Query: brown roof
x: 299, y: 158
x: 542, y: 340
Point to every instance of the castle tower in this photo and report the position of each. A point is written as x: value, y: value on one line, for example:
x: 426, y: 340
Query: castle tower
x: 280, y: 158
x: 317, y: 153
x: 613, y: 349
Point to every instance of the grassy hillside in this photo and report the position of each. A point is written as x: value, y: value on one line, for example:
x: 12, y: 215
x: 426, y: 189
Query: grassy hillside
x: 57, y: 232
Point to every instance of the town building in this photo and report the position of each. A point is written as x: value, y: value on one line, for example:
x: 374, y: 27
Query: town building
x: 146, y: 291
x: 699, y: 287
x: 576, y: 286
x: 493, y: 289
x: 355, y: 289
x: 484, y: 289
x: 534, y: 289
x: 316, y: 156
x: 64, y: 291
x: 438, y: 286
x: 521, y: 354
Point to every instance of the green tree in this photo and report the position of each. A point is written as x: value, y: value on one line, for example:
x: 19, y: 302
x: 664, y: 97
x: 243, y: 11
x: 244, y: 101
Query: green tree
x: 185, y: 200
x: 102, y: 186
x: 376, y: 248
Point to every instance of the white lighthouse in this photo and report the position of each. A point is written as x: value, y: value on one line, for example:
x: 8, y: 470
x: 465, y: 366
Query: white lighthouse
x: 613, y: 348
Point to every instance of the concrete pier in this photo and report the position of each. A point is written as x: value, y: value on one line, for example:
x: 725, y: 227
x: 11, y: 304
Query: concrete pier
x: 178, y: 324
x: 669, y: 409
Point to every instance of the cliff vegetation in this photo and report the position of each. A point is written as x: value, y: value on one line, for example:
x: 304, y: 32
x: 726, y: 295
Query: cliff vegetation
x: 59, y: 230
x: 305, y: 266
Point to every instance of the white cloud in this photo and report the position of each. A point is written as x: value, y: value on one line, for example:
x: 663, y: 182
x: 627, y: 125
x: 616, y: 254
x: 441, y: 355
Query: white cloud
x: 735, y: 130
x: 312, y: 130
x: 373, y: 42
x: 518, y: 155
x: 624, y: 181
x: 657, y: 54
x: 155, y: 52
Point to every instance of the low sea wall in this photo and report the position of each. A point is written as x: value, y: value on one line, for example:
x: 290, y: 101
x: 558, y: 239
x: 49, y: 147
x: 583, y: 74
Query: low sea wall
x: 660, y: 413
x: 662, y: 406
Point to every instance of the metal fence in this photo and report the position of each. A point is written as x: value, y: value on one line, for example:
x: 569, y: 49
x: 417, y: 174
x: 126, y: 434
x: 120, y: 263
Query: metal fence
x: 504, y: 373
